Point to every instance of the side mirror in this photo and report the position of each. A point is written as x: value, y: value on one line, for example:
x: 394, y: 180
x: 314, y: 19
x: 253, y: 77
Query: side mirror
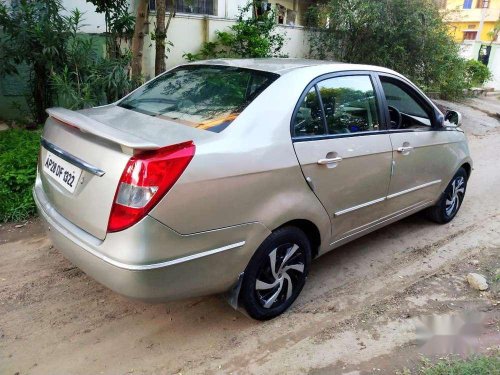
x: 453, y: 118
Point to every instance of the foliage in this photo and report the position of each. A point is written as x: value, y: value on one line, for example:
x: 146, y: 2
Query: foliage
x: 88, y: 79
x: 478, y: 365
x: 407, y: 36
x: 18, y: 158
x: 35, y: 35
x: 65, y: 67
x: 251, y: 37
x: 493, y: 34
x: 477, y: 73
x: 119, y: 23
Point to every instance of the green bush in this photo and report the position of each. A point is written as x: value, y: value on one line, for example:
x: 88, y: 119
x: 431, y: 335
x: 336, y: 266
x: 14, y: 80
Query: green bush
x: 18, y: 158
x: 250, y: 37
x: 87, y: 78
x: 34, y: 35
x: 409, y: 37
x: 64, y: 66
x: 477, y: 73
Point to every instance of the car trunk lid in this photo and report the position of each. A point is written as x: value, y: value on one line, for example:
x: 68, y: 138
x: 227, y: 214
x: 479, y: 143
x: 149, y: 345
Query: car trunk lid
x: 99, y: 142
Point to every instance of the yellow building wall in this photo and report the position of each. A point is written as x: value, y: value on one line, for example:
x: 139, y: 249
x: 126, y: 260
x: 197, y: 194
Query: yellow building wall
x: 460, y: 19
x: 457, y: 30
x: 453, y: 4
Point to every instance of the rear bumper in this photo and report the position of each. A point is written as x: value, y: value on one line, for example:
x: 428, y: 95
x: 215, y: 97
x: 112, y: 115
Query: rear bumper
x: 150, y: 261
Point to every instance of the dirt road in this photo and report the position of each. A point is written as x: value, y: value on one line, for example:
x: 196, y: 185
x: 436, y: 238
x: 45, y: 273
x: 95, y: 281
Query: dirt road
x: 357, y: 314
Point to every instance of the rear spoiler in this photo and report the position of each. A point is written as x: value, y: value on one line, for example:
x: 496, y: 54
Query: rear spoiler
x: 89, y: 125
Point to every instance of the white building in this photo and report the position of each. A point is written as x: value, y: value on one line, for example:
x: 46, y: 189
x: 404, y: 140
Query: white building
x: 196, y: 21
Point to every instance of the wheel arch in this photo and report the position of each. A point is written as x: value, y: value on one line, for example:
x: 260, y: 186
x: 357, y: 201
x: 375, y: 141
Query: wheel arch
x: 468, y: 168
x: 311, y: 231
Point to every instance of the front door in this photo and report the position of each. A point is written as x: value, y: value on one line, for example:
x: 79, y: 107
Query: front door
x: 421, y: 155
x: 344, y: 155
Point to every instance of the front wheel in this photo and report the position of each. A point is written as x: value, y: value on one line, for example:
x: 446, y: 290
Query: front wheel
x: 451, y: 200
x: 276, y: 273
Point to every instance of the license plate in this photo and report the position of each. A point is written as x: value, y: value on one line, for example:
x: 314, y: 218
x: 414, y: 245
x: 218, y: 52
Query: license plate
x: 66, y: 174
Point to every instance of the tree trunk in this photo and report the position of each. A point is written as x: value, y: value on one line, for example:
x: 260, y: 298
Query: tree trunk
x: 138, y: 38
x: 160, y: 37
x: 41, y: 94
x: 161, y: 34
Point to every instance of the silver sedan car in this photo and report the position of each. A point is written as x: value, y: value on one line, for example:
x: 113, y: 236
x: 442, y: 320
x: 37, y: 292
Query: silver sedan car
x: 232, y: 175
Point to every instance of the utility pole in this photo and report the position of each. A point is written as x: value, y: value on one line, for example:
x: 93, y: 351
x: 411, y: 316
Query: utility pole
x: 481, y: 23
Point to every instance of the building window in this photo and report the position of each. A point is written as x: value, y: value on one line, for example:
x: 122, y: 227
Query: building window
x: 188, y: 6
x: 483, y: 4
x: 467, y: 4
x: 470, y: 35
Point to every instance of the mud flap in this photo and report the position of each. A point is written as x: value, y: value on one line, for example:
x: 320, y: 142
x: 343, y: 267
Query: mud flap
x: 232, y: 297
x: 234, y: 293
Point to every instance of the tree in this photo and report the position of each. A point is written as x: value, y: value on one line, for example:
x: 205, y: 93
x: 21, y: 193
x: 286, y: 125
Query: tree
x: 65, y: 67
x: 89, y: 78
x: 119, y: 23
x: 35, y: 35
x: 160, y: 34
x: 493, y: 34
x: 138, y: 39
x: 408, y: 36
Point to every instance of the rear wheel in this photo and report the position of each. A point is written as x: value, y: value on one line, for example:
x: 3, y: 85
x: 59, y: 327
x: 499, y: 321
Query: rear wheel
x: 451, y: 200
x: 276, y: 273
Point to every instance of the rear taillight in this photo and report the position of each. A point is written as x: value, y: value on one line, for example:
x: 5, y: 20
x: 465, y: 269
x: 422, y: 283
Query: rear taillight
x: 146, y: 179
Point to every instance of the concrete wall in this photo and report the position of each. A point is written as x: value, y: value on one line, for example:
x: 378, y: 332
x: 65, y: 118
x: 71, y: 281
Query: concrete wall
x: 494, y: 65
x: 13, y: 91
x: 189, y: 32
x: 93, y: 22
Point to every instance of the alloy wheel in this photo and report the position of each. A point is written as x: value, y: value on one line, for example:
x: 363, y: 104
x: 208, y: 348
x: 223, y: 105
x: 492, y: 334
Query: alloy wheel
x: 280, y: 275
x: 455, y: 196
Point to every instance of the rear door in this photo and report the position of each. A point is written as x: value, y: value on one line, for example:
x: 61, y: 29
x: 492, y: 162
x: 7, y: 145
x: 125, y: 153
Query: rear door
x: 420, y: 146
x: 344, y: 153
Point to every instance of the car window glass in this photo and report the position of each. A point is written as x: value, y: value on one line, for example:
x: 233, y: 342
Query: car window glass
x: 350, y: 104
x: 207, y: 97
x: 414, y: 116
x: 309, y: 117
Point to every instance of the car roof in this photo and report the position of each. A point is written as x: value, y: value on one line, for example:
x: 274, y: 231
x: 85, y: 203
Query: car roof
x: 284, y: 65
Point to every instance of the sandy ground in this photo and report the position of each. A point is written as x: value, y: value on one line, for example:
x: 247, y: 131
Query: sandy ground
x: 373, y: 306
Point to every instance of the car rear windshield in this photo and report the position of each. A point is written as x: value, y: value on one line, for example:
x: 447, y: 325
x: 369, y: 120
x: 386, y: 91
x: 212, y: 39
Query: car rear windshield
x: 203, y: 96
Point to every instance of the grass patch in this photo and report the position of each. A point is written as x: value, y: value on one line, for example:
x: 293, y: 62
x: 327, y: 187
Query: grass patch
x: 18, y: 159
x: 475, y: 365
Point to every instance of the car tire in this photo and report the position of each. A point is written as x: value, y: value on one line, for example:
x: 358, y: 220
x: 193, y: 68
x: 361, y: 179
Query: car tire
x: 451, y: 200
x: 276, y: 273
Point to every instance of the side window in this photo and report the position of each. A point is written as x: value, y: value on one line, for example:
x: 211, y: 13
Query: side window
x: 405, y: 112
x: 350, y: 104
x: 309, y: 117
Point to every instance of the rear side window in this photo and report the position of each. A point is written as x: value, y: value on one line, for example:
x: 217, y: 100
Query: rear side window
x: 349, y: 103
x: 345, y: 104
x: 203, y: 96
x: 309, y: 118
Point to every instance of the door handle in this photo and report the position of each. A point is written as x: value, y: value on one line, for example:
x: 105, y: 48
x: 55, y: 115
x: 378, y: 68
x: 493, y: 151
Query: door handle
x: 405, y: 148
x: 330, y: 160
